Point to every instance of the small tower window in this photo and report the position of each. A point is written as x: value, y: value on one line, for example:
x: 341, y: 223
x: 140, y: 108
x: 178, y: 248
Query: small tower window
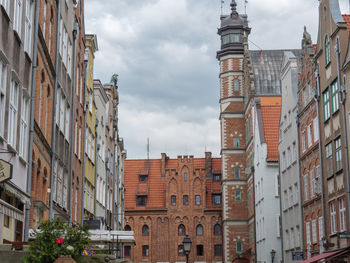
x: 235, y: 142
x: 238, y: 195
x: 327, y: 47
x: 235, y: 85
x: 239, y: 247
x: 199, y: 230
x: 217, y: 230
x: 198, y: 199
x: 145, y: 230
x: 237, y: 172
x: 173, y: 200
x: 185, y: 177
x: 143, y: 178
x: 181, y: 230
x: 185, y: 200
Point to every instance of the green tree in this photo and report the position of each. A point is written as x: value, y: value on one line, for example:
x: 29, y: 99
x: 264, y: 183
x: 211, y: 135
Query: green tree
x: 46, y: 246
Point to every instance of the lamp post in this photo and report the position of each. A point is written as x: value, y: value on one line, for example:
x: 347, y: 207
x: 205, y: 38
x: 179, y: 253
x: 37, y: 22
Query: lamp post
x: 187, y: 246
x: 272, y: 253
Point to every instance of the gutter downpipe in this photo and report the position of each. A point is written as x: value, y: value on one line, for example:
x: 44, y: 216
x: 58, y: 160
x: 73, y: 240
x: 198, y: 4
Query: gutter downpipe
x: 114, y: 174
x: 316, y: 98
x: 106, y: 193
x: 118, y: 192
x: 343, y: 98
x: 300, y: 182
x: 86, y: 61
x: 31, y: 129
x: 95, y: 154
x: 75, y: 33
x: 53, y: 136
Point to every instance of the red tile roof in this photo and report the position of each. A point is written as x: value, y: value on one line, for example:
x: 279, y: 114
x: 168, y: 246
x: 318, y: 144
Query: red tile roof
x: 156, y: 184
x: 347, y: 21
x: 271, y: 111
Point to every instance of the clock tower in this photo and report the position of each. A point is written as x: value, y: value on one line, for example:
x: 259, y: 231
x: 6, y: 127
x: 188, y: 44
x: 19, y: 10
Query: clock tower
x: 238, y: 230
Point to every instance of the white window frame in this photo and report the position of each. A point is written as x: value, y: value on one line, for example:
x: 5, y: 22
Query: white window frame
x: 17, y: 16
x: 28, y: 28
x: 278, y: 226
x: 333, y: 217
x: 67, y: 123
x: 13, y: 113
x: 44, y: 19
x: 69, y: 58
x: 23, y: 128
x: 320, y: 228
x: 342, y: 215
x: 297, y: 236
x: 316, y: 129
x: 306, y: 187
x: 308, y: 238
x: 303, y: 141
x: 312, y: 184
x: 314, y: 231
x: 3, y: 85
x: 309, y: 136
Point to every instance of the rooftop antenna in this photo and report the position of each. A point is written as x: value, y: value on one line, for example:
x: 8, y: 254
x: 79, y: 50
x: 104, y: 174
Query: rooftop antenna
x: 222, y: 3
x: 147, y: 148
x: 245, y: 6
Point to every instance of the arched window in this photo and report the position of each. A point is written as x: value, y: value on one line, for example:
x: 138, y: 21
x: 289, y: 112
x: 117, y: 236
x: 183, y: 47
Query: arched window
x: 127, y: 228
x: 199, y: 230
x: 217, y: 229
x: 181, y: 230
x: 145, y: 230
x: 327, y: 47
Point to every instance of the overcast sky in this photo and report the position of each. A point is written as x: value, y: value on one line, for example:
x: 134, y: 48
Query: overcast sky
x: 165, y: 54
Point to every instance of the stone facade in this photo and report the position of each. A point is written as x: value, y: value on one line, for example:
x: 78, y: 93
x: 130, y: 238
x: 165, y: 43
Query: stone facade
x: 291, y: 218
x: 168, y: 198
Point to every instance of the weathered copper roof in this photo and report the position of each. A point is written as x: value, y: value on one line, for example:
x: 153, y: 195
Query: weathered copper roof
x: 266, y: 66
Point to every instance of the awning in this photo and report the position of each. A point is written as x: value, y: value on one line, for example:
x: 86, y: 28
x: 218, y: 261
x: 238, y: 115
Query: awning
x: 323, y: 256
x: 11, y: 211
x: 105, y: 236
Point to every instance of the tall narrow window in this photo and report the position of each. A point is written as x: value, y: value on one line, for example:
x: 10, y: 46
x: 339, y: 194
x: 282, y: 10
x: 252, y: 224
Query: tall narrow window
x: 312, y: 183
x: 217, y: 230
x: 326, y: 105
x: 217, y: 250
x: 239, y: 247
x: 237, y: 172
x: 309, y: 136
x: 145, y: 251
x: 327, y: 47
x: 333, y: 217
x: 127, y: 251
x: 44, y: 18
x: 308, y: 238
x: 145, y: 230
x: 235, y: 85
x: 306, y: 187
x: 338, y: 154
x: 314, y: 231
x: 69, y: 58
x: 181, y: 230
x: 315, y: 128
x: 199, y: 230
x: 17, y: 16
x: 335, y: 96
x: 28, y: 30
x: 238, y: 195
x: 200, y: 250
x: 303, y: 141
x: 342, y: 210
x: 185, y: 177
x: 173, y: 200
x: 13, y: 111
x: 185, y: 199
x: 329, y: 159
x: 235, y: 142
x: 198, y: 199
x: 3, y: 76
x: 23, y: 128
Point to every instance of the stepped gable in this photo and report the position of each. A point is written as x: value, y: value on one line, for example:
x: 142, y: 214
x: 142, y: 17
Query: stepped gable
x: 270, y: 111
x: 266, y: 67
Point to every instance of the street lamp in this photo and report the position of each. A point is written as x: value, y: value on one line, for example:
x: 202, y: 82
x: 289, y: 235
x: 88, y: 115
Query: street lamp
x: 187, y: 246
x: 272, y: 253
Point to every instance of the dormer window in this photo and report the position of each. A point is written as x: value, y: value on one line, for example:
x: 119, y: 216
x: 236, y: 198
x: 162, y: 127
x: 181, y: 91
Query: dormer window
x: 231, y: 38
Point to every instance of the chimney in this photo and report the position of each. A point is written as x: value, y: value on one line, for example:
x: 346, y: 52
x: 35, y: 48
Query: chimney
x: 164, y: 158
x: 208, y: 166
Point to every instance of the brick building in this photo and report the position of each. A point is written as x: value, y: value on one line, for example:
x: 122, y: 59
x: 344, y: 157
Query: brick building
x: 331, y: 50
x: 43, y: 115
x: 168, y: 198
x: 310, y: 168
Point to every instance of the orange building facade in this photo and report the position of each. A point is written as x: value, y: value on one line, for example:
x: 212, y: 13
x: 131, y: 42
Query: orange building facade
x: 166, y: 199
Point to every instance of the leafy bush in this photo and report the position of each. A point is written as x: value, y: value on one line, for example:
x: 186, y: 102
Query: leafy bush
x: 55, y: 238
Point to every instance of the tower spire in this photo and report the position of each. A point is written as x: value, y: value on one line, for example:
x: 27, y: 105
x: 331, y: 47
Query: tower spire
x: 234, y: 7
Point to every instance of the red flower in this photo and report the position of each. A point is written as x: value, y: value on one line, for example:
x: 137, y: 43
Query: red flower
x: 59, y: 240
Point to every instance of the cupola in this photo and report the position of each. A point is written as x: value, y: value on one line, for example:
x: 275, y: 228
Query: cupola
x: 232, y: 31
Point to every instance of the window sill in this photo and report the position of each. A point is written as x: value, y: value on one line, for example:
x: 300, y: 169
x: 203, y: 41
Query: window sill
x: 21, y: 158
x: 11, y: 149
x: 17, y: 36
x: 5, y: 13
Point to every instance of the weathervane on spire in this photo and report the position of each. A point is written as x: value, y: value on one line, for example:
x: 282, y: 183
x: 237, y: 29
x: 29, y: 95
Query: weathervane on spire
x: 222, y: 3
x: 233, y: 6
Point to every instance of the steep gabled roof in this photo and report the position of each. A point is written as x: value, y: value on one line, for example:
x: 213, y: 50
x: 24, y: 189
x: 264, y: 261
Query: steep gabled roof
x: 270, y: 113
x: 266, y: 65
